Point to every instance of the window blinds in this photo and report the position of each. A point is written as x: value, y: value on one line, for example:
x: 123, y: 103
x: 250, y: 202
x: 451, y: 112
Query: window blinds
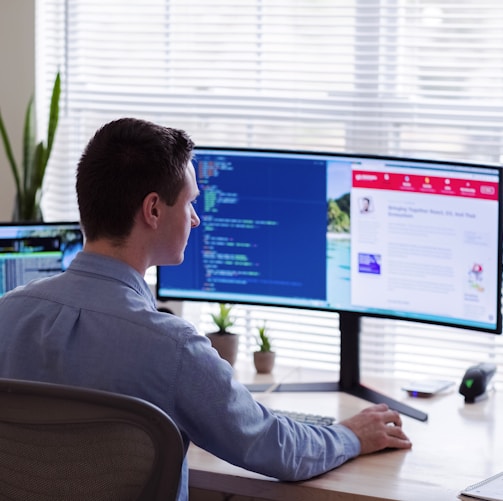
x: 404, y: 350
x: 405, y: 77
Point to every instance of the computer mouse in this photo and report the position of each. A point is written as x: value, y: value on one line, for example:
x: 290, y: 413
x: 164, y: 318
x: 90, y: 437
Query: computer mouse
x: 475, y: 381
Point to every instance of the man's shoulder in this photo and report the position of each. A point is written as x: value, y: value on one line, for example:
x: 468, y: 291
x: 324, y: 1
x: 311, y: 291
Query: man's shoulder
x: 33, y: 287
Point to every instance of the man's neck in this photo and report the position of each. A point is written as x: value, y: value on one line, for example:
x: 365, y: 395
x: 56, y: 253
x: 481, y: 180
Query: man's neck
x: 122, y: 253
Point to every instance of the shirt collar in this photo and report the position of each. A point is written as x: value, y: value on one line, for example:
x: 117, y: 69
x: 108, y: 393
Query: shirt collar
x: 114, y: 269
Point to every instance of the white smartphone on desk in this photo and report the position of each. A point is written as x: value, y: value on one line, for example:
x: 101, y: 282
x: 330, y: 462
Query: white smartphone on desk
x: 426, y: 387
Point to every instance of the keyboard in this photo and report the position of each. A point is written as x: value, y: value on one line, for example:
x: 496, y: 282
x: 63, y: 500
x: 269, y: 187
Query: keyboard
x: 306, y: 418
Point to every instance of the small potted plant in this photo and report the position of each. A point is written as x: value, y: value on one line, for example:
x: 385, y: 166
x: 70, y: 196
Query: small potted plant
x: 223, y: 340
x: 264, y: 358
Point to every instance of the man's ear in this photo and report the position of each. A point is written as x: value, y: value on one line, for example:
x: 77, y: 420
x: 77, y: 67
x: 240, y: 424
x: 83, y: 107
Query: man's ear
x: 151, y: 208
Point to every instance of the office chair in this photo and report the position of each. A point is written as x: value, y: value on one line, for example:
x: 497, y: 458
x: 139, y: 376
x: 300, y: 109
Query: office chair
x: 66, y: 443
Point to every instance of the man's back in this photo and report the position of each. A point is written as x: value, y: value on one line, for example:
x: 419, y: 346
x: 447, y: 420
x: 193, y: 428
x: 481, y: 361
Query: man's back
x: 92, y: 329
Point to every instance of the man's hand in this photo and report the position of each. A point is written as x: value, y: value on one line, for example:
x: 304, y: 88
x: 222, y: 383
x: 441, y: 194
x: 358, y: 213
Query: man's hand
x: 378, y: 427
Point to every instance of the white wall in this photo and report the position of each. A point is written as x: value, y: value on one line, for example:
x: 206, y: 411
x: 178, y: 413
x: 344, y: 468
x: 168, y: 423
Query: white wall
x: 17, y: 82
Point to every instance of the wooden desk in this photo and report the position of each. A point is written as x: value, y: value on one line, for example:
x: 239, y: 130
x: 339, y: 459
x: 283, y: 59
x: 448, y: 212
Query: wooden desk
x: 460, y: 444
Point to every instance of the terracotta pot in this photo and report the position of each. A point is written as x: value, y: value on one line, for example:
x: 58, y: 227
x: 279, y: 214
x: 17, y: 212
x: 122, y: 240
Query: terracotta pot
x: 264, y: 361
x: 226, y: 344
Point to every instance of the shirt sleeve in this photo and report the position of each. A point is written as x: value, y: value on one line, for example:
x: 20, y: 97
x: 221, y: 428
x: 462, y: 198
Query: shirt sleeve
x: 221, y: 416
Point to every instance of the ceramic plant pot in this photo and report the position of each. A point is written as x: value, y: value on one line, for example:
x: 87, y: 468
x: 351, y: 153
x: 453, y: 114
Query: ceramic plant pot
x: 264, y: 361
x: 226, y: 344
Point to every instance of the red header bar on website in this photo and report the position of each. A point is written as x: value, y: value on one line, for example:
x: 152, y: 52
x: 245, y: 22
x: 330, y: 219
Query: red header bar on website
x: 439, y: 185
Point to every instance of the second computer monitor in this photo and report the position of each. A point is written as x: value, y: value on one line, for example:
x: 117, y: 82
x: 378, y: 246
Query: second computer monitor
x: 36, y: 250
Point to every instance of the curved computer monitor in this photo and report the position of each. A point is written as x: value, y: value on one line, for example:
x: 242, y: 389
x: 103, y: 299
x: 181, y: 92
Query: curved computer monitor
x: 29, y: 251
x: 383, y: 236
x: 359, y: 235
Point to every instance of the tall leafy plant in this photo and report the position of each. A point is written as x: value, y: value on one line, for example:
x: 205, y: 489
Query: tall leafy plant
x: 29, y: 175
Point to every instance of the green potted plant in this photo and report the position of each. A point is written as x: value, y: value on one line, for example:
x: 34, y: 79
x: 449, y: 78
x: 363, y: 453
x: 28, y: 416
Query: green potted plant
x: 223, y: 340
x: 264, y: 358
x: 29, y: 175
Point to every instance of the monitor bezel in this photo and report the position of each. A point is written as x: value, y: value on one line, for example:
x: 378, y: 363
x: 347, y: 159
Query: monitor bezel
x: 40, y: 223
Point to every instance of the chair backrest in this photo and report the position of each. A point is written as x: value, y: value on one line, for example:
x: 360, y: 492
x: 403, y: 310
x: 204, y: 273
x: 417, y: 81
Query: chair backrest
x: 67, y: 443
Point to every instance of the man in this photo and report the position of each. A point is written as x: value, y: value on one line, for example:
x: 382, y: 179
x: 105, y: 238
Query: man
x: 96, y: 325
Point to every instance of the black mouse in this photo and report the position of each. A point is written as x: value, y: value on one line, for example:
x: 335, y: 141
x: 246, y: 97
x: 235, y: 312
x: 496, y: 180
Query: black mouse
x: 475, y: 381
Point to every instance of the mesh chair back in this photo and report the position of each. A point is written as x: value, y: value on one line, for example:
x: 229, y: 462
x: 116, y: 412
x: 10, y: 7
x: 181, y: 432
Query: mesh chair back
x: 65, y: 443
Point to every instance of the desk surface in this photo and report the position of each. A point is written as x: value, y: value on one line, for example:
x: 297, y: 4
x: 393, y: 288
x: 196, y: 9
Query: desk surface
x: 460, y: 444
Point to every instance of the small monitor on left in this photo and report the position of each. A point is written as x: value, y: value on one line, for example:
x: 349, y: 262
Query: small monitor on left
x: 35, y: 250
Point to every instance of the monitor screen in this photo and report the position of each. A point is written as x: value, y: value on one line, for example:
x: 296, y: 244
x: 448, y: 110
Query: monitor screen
x: 395, y: 237
x: 36, y: 250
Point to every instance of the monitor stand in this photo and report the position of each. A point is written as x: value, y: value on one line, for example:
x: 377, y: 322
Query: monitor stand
x: 349, y: 377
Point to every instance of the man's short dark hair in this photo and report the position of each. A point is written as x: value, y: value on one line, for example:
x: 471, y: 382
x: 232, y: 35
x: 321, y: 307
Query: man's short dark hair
x: 126, y: 160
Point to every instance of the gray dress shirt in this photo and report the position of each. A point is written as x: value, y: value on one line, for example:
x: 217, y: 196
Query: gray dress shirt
x: 96, y: 325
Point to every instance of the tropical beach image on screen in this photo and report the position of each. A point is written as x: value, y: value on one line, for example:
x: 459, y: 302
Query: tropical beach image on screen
x: 338, y: 233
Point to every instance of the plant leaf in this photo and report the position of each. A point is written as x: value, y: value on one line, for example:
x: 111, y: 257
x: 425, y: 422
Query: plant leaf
x: 29, y: 132
x: 53, y: 118
x: 37, y: 170
x: 30, y: 201
x: 10, y: 156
